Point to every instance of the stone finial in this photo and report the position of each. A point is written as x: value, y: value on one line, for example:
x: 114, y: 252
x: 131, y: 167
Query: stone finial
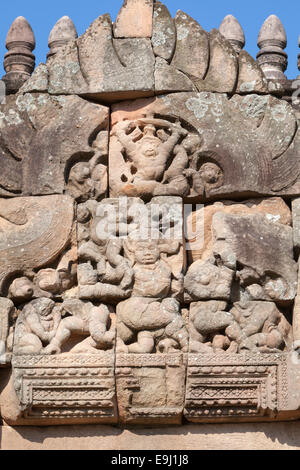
x: 19, y: 62
x: 63, y: 32
x: 231, y: 29
x: 272, y: 41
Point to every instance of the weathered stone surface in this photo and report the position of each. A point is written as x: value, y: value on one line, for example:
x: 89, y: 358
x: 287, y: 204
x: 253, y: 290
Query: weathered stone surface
x: 134, y: 20
x: 247, y: 326
x: 7, y: 311
x: 222, y: 73
x: 140, y: 165
x: 65, y: 74
x: 272, y: 41
x: 251, y: 78
x: 16, y: 134
x: 97, y: 66
x: 262, y: 254
x: 107, y: 68
x: 150, y: 388
x: 244, y: 146
x: 296, y: 223
x: 199, y: 223
x: 42, y: 330
x: 32, y: 236
x: 296, y: 317
x: 205, y: 280
x: 38, y: 82
x: 169, y: 79
x: 192, y: 41
x: 105, y: 300
x: 142, y: 271
x: 164, y: 32
x: 54, y: 134
x: 63, y: 389
x: 235, y: 387
x: 138, y: 60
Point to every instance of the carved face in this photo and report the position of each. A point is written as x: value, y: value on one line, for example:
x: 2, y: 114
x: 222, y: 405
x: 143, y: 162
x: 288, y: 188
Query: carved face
x: 80, y: 173
x: 192, y: 143
x: 149, y: 147
x: 21, y: 289
x: 48, y: 280
x: 146, y: 252
x: 45, y: 307
x: 210, y: 173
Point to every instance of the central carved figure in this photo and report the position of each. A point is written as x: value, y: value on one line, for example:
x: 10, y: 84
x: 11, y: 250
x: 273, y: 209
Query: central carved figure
x: 156, y: 154
x: 151, y: 318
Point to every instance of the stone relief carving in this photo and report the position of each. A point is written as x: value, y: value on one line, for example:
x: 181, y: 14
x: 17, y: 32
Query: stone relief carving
x: 222, y: 135
x: 7, y: 319
x: 43, y: 327
x: 151, y: 155
x: 116, y: 306
x: 247, y: 326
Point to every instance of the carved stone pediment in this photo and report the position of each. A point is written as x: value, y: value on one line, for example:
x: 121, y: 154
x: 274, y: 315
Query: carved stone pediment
x: 149, y: 224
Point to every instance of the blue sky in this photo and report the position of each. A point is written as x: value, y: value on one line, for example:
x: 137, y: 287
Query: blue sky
x: 43, y: 15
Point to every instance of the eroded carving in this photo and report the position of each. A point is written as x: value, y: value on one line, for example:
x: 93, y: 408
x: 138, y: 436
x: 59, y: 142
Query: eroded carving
x: 101, y: 299
x: 149, y: 157
x: 248, y: 326
x: 7, y: 319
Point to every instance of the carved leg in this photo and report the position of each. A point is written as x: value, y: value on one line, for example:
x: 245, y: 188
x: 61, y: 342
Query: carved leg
x: 145, y: 343
x: 125, y: 335
x: 177, y: 331
x: 101, y: 291
x: 98, y: 324
x: 66, y: 328
x: 29, y: 344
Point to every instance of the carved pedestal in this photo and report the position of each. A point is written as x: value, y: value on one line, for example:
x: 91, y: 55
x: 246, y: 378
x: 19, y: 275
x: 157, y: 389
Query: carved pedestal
x: 225, y: 387
x: 66, y: 389
x: 150, y: 388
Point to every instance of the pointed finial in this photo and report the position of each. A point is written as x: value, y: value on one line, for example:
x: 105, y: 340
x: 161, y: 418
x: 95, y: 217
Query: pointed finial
x: 231, y: 29
x: 63, y: 32
x: 272, y: 41
x: 19, y: 62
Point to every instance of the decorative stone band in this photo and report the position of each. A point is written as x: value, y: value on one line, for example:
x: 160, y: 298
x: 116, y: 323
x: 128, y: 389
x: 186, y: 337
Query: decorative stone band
x: 76, y: 388
x: 241, y: 386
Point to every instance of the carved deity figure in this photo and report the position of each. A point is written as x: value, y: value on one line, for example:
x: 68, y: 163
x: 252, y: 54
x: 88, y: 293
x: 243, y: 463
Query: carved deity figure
x: 48, y: 282
x: 103, y: 273
x: 88, y: 180
x: 151, y: 318
x: 87, y: 320
x: 252, y: 326
x: 36, y: 326
x: 43, y: 327
x: 258, y: 325
x: 208, y: 177
x: 157, y: 153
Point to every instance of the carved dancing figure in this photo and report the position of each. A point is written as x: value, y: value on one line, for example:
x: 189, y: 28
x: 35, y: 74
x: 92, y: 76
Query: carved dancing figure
x: 149, y: 318
x: 149, y: 156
